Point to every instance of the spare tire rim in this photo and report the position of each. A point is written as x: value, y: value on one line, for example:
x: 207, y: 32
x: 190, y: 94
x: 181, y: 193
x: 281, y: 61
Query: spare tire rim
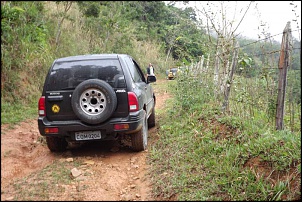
x: 93, y: 101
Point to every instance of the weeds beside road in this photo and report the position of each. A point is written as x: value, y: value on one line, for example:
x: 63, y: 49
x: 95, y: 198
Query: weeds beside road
x: 204, y: 154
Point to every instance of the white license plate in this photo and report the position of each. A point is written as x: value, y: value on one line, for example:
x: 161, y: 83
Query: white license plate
x: 88, y: 135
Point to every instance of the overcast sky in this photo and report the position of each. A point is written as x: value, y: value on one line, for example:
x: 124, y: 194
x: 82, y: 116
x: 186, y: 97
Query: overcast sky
x: 274, y: 14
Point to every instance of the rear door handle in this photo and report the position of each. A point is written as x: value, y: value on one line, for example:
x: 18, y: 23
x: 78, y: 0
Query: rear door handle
x: 55, y: 97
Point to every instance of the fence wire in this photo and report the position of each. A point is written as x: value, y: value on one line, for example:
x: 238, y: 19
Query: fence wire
x: 254, y: 90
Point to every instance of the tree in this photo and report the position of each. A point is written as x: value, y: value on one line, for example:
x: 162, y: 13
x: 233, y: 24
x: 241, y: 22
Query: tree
x: 63, y: 15
x: 218, y: 24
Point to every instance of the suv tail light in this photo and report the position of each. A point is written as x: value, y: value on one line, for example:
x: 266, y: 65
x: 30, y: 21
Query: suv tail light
x: 133, y: 102
x: 42, y: 111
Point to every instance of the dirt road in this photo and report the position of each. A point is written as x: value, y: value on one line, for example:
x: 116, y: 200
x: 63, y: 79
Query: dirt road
x: 107, y: 170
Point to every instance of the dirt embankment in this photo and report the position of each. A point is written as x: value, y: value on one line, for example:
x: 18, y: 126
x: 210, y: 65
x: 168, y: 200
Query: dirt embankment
x: 108, y: 170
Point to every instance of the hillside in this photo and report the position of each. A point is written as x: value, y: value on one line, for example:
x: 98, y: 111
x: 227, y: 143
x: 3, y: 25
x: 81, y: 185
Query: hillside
x: 216, y: 137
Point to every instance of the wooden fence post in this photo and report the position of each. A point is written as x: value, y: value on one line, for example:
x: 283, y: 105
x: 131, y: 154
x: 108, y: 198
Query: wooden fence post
x: 284, y: 62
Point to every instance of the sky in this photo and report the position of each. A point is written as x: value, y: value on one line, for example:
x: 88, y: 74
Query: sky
x: 274, y: 14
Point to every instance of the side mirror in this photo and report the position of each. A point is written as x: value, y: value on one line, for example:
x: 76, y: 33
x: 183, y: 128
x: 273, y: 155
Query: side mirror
x: 151, y: 79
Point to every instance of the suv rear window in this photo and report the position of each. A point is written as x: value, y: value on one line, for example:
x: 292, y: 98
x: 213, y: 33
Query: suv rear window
x: 69, y: 74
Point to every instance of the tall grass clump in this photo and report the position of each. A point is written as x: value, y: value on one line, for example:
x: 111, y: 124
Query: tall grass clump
x: 25, y: 55
x: 191, y: 93
x: 204, y: 154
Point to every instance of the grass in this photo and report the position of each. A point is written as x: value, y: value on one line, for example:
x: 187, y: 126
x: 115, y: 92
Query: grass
x: 44, y: 183
x: 12, y: 113
x: 202, y: 154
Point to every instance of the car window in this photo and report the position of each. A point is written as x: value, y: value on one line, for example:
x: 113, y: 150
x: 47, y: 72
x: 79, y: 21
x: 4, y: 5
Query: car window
x: 136, y: 73
x: 69, y: 74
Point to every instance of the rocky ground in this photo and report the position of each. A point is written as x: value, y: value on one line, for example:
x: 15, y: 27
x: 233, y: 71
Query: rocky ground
x: 108, y: 170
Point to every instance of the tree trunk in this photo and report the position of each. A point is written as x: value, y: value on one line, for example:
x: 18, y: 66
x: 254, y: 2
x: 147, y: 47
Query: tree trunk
x: 67, y: 6
x: 229, y: 82
x: 216, y: 70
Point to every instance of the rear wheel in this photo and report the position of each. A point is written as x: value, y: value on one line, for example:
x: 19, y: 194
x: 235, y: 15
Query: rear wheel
x: 139, y: 139
x: 151, y: 119
x: 56, y: 144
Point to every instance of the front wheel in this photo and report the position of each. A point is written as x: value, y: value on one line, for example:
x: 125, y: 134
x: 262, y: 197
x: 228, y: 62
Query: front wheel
x: 139, y: 139
x: 56, y: 144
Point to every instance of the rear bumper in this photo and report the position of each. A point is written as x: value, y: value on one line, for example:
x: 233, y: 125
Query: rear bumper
x: 67, y: 129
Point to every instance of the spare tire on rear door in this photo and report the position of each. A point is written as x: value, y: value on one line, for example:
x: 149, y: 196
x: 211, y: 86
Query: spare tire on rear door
x: 93, y: 101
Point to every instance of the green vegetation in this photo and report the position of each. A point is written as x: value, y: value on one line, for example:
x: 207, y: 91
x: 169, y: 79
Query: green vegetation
x: 204, y: 154
x: 213, y: 154
x: 14, y: 113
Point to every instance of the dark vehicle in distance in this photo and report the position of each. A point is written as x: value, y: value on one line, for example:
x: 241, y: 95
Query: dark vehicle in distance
x: 96, y: 97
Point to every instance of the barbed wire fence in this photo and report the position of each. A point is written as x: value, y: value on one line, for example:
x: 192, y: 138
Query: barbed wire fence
x: 254, y: 91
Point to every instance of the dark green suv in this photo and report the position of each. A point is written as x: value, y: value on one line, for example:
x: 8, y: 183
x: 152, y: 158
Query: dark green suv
x: 96, y: 97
